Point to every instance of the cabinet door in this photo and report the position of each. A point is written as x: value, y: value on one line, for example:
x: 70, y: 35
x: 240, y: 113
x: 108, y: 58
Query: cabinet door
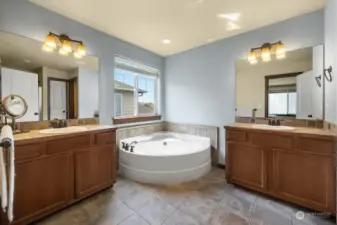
x: 93, y: 170
x: 304, y: 178
x: 42, y: 186
x: 246, y: 165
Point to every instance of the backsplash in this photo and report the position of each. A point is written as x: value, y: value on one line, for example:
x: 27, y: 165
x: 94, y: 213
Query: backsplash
x: 330, y: 127
x: 38, y: 125
x: 285, y: 122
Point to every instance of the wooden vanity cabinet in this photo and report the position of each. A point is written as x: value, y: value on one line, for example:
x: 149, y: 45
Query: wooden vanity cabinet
x: 294, y: 167
x: 56, y: 172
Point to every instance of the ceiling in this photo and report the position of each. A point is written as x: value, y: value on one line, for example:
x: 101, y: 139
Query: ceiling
x: 186, y: 23
x: 26, y: 54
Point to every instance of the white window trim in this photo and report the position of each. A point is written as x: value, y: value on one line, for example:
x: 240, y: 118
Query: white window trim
x: 121, y: 104
x: 156, y: 92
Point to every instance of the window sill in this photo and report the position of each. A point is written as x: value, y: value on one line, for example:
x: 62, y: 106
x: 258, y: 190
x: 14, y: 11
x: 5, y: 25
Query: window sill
x: 135, y: 119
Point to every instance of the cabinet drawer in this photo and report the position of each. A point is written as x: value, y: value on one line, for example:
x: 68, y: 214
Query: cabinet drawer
x: 236, y: 135
x: 29, y: 151
x: 105, y: 138
x: 68, y: 144
x: 271, y: 140
x: 319, y: 146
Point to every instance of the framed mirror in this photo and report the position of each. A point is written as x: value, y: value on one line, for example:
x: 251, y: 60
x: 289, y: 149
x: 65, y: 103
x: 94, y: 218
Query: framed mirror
x: 15, y: 106
x: 54, y: 86
x: 289, y: 88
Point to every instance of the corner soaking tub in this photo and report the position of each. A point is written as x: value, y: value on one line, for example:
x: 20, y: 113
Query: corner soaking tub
x: 165, y: 158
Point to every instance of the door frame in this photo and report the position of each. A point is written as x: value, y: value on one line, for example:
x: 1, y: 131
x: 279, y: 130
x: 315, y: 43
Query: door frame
x: 71, y: 98
x: 67, y: 94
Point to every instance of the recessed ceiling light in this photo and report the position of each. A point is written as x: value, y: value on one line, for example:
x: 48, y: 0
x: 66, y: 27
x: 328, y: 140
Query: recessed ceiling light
x: 166, y: 41
x: 230, y: 16
x: 232, y: 26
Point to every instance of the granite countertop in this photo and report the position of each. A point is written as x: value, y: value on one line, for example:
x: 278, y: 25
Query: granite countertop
x: 297, y: 130
x: 35, y: 134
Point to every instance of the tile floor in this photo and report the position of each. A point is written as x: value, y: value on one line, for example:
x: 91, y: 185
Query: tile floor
x: 207, y: 201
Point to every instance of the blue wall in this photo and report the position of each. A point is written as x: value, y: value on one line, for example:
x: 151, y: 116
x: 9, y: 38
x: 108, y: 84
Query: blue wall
x: 200, y: 83
x: 29, y: 20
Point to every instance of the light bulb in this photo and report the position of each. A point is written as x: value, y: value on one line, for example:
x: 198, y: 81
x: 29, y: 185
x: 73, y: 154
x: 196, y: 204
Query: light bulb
x: 46, y: 48
x: 81, y: 50
x: 77, y: 55
x: 50, y: 41
x: 66, y: 46
x: 252, y: 56
x: 265, y: 55
x: 280, y: 51
x: 253, y: 62
x: 63, y: 52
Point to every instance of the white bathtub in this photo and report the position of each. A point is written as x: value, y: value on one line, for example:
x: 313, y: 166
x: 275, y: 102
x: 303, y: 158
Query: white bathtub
x: 184, y: 158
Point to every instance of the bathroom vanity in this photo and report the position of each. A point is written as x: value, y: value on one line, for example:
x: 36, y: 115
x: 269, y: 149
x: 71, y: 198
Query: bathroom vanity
x: 293, y: 165
x: 56, y: 170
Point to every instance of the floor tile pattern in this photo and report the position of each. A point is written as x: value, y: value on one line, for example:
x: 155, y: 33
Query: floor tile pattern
x: 207, y: 201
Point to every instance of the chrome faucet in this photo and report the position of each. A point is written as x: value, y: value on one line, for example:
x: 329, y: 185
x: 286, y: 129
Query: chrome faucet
x: 126, y: 146
x: 58, y: 123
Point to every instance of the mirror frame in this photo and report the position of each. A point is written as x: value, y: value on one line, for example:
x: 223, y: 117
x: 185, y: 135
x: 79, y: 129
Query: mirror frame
x: 9, y: 111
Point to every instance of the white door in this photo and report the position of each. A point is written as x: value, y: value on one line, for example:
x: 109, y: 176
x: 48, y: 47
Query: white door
x: 24, y: 84
x: 58, y: 100
x: 317, y: 92
x: 304, y: 97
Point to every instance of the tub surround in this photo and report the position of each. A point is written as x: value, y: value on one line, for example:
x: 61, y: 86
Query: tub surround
x: 54, y: 171
x: 211, y: 132
x: 283, y: 163
x: 165, y: 158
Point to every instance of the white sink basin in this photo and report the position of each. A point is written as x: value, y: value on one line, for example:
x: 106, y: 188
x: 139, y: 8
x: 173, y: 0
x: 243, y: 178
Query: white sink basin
x: 268, y: 127
x: 64, y: 130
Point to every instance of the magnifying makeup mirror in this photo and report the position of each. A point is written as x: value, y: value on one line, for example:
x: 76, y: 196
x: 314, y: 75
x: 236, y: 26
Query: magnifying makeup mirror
x: 15, y: 106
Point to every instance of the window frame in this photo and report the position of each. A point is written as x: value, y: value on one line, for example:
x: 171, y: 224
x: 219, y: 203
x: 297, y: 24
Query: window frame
x: 121, y: 103
x: 266, y: 93
x: 288, y: 95
x: 137, y: 117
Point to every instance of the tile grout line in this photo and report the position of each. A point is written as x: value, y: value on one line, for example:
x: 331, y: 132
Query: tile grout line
x: 133, y: 212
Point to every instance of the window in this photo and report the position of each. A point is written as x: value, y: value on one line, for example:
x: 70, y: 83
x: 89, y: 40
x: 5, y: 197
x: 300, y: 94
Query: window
x: 118, y: 104
x: 282, y: 103
x: 135, y: 89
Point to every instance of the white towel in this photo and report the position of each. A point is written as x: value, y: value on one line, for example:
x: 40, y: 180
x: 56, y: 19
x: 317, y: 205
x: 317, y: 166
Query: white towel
x: 3, y: 181
x: 7, y: 134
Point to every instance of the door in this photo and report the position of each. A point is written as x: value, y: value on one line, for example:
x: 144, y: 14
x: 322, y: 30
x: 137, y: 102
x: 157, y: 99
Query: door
x: 304, y: 84
x: 93, y: 170
x: 246, y: 165
x: 317, y: 70
x: 58, y: 99
x: 304, y: 178
x: 42, y: 186
x: 24, y: 84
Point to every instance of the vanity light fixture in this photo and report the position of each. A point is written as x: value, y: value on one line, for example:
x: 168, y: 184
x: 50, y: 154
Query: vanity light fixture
x: 66, y: 45
x: 266, y: 51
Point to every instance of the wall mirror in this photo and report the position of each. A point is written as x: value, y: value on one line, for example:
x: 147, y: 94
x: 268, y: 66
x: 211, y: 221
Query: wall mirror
x: 54, y: 86
x: 287, y: 88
